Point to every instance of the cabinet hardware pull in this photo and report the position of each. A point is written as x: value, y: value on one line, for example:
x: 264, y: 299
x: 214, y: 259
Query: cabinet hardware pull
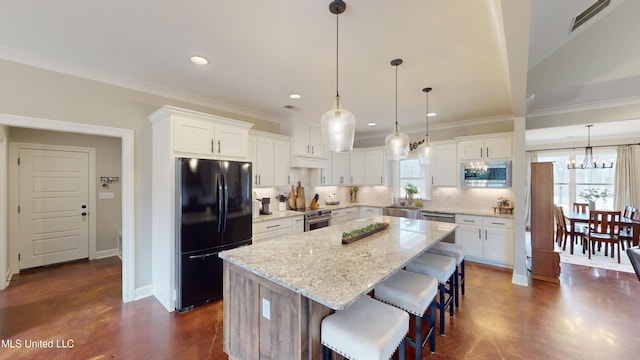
x: 307, y: 149
x: 495, y: 223
x: 381, y: 182
x: 273, y: 226
x: 256, y: 179
x: 259, y: 180
x: 480, y: 153
x: 212, y: 146
x: 312, y: 150
x: 288, y: 179
x: 465, y: 220
x: 487, y: 151
x: 218, y: 146
x: 485, y: 234
x: 479, y: 234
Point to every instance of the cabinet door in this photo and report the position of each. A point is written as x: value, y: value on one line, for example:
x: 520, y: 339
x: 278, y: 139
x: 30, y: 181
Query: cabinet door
x: 498, y: 245
x: 499, y: 148
x: 357, y: 169
x: 366, y: 211
x: 471, y: 149
x: 300, y: 139
x: 375, y: 173
x: 263, y: 174
x: 445, y: 165
x: 471, y: 238
x: 193, y: 136
x: 280, y: 163
x: 340, y: 168
x: 298, y: 225
x: 251, y: 151
x: 315, y: 141
x: 231, y: 141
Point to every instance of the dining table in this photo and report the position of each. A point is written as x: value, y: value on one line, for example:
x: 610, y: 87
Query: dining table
x: 576, y: 218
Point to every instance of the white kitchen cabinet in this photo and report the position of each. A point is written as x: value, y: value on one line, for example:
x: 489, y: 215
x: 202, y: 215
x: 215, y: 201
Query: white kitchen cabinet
x: 444, y: 164
x: 375, y: 167
x: 307, y: 149
x: 201, y: 134
x: 358, y: 168
x: 341, y: 168
x: 486, y: 239
x: 272, y: 229
x: 487, y: 148
x: 270, y: 156
x: 366, y: 211
x: 340, y: 216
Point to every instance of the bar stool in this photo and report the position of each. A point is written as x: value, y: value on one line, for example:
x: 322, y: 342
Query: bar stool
x: 457, y: 252
x: 442, y: 268
x: 368, y: 329
x: 413, y: 293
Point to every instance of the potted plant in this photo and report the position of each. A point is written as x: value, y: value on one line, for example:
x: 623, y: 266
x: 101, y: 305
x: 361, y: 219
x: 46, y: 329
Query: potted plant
x: 411, y: 190
x: 591, y: 195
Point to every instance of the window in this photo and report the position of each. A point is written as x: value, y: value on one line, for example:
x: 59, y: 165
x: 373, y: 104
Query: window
x: 569, y: 184
x: 410, y: 171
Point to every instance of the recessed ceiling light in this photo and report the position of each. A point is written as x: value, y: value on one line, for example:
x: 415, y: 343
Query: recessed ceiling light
x: 431, y: 114
x: 371, y: 124
x: 199, y: 60
x: 295, y: 96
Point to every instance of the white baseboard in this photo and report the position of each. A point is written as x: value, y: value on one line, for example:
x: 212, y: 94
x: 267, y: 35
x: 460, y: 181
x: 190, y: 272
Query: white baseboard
x: 106, y: 253
x: 143, y: 292
x: 522, y: 280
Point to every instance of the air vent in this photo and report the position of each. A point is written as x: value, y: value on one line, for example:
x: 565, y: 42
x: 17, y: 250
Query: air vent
x: 591, y: 11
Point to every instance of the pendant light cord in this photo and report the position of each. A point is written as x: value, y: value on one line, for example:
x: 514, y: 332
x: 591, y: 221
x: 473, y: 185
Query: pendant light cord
x: 396, y: 66
x: 426, y: 137
x: 337, y: 66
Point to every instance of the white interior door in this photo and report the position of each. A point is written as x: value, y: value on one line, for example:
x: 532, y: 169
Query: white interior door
x: 54, y: 209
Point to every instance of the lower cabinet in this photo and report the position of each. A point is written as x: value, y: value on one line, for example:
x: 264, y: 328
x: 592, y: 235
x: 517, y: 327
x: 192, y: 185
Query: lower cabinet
x: 487, y: 239
x: 366, y: 211
x: 271, y: 229
x: 340, y: 216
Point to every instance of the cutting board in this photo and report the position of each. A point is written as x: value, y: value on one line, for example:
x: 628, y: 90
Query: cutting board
x: 292, y: 198
x: 300, y: 203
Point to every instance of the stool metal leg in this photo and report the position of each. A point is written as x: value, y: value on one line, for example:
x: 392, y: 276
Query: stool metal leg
x: 456, y: 288
x: 462, y: 276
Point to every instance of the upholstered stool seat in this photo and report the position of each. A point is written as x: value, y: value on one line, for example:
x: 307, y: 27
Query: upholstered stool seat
x: 368, y: 329
x: 457, y: 252
x: 413, y: 293
x: 442, y: 268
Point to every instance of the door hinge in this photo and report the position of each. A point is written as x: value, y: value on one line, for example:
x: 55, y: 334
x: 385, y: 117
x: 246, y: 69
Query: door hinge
x: 19, y: 257
x: 18, y: 209
x: 18, y: 161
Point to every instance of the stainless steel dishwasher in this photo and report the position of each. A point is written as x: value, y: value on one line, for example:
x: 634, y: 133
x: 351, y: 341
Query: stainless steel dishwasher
x: 444, y: 217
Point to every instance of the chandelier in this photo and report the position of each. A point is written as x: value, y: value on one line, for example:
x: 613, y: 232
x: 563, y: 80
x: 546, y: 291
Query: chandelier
x: 589, y: 161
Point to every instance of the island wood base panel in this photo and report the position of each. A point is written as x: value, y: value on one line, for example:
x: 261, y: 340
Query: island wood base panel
x: 292, y: 330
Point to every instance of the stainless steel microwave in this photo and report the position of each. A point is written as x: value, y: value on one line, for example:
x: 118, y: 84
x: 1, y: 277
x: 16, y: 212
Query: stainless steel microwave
x: 485, y: 174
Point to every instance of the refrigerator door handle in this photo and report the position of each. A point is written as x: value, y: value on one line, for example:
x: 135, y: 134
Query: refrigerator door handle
x: 220, y: 208
x: 203, y: 256
x: 226, y: 202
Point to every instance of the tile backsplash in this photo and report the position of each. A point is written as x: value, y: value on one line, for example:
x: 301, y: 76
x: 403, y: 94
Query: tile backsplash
x: 448, y: 199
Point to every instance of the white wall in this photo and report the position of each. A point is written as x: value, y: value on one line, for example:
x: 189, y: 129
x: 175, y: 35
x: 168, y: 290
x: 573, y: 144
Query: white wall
x: 34, y: 92
x: 4, y: 203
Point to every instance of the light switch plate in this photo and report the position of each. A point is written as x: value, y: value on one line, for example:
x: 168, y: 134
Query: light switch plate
x: 105, y: 195
x: 266, y: 309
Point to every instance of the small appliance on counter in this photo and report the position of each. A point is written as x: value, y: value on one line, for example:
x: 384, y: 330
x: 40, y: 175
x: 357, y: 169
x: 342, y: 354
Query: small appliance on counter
x: 255, y: 209
x: 331, y: 200
x: 265, y: 206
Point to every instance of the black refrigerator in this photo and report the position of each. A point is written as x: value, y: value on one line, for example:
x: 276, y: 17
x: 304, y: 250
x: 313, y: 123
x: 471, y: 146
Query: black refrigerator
x: 213, y: 214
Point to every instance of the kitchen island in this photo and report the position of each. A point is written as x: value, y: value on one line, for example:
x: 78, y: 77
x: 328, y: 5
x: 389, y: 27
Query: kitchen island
x: 277, y: 293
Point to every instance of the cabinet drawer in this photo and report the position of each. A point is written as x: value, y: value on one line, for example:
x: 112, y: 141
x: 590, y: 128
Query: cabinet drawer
x: 271, y: 225
x: 468, y: 220
x: 498, y: 222
x: 268, y: 235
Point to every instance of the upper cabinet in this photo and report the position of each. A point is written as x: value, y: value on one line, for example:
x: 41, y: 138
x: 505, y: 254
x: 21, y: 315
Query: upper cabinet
x: 270, y: 156
x: 193, y: 133
x: 375, y: 164
x: 366, y: 166
x: 341, y: 168
x: 307, y: 149
x: 485, y: 148
x: 444, y: 164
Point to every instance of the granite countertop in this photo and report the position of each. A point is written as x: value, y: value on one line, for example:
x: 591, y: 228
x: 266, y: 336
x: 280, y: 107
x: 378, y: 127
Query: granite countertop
x: 317, y: 265
x: 278, y: 215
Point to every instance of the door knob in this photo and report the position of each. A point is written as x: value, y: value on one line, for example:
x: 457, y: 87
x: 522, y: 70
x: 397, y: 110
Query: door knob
x: 84, y: 214
x: 84, y: 206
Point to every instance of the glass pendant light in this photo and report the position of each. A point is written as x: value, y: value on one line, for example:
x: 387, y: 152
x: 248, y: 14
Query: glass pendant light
x: 338, y: 125
x: 397, y: 143
x: 424, y: 150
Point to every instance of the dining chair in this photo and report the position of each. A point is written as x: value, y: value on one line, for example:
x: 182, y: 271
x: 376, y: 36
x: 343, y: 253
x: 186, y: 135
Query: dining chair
x: 628, y: 211
x: 626, y: 232
x: 580, y: 207
x: 566, y: 231
x: 604, y: 227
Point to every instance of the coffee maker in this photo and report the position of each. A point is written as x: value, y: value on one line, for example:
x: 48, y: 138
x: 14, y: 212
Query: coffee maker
x: 265, y: 206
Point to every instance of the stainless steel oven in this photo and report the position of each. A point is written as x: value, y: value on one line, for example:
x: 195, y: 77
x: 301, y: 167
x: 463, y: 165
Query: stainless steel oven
x: 316, y: 219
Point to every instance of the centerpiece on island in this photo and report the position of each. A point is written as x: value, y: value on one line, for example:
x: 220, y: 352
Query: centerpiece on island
x: 360, y: 233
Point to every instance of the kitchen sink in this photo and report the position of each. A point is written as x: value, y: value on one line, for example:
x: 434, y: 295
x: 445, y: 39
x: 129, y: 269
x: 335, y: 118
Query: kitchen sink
x: 401, y: 211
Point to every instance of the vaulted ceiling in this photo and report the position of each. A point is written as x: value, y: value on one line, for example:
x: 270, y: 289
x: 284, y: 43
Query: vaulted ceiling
x: 477, y: 55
